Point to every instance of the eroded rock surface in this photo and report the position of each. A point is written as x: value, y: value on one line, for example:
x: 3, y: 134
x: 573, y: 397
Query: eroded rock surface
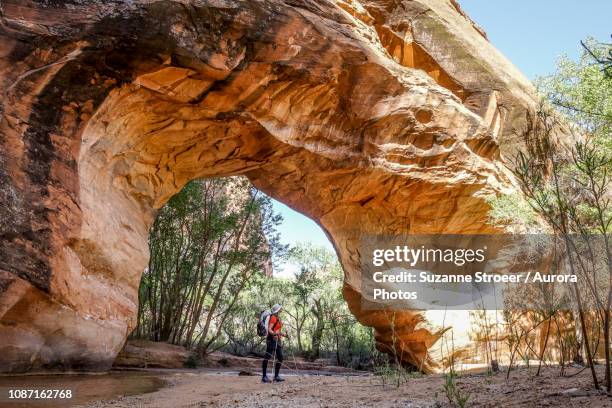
x: 149, y: 354
x: 379, y: 116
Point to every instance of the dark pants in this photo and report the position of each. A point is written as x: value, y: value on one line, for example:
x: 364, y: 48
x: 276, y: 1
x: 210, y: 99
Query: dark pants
x: 273, y: 346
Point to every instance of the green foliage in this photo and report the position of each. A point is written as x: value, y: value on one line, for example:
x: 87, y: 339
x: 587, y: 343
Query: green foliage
x: 510, y: 209
x: 314, y: 313
x: 239, y: 329
x: 582, y: 91
x: 207, y: 244
x: 567, y: 183
x: 453, y: 393
x: 392, y: 374
x: 192, y: 361
x: 315, y: 294
x: 208, y: 280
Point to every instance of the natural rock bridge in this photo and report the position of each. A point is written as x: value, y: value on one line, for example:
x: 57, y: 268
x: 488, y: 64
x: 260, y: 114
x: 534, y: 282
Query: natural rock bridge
x: 379, y: 116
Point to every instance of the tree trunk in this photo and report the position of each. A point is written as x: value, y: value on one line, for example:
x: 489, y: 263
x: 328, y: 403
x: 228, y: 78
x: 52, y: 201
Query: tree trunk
x: 317, y: 335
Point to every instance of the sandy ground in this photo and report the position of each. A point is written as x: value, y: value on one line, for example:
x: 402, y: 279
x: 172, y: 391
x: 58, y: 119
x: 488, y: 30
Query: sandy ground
x: 216, y: 388
x: 209, y: 389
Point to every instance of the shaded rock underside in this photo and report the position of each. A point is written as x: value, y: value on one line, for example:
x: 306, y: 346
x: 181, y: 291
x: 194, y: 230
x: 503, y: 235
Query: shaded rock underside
x: 379, y: 117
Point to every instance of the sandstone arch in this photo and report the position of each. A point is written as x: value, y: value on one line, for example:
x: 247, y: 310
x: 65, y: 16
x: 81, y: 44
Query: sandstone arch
x: 371, y: 117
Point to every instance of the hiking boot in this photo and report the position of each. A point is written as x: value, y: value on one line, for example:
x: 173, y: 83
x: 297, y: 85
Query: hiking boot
x: 265, y: 380
x: 278, y: 379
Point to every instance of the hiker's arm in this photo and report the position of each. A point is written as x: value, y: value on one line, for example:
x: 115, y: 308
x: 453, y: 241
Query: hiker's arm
x: 276, y: 332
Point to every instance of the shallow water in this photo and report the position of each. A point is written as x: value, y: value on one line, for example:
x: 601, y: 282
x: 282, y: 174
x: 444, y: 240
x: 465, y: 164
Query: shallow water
x: 84, y: 387
x: 91, y: 388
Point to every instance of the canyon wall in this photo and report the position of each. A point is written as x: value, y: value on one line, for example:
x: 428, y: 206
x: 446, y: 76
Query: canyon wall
x: 371, y: 117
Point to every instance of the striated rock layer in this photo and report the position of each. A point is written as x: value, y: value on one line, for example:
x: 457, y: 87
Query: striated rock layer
x: 371, y: 117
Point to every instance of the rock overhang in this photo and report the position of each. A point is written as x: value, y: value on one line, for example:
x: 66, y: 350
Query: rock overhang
x: 371, y: 117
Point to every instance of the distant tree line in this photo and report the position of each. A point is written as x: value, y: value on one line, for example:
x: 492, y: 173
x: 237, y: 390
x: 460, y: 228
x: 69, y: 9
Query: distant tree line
x: 209, y: 277
x: 314, y: 312
x: 207, y: 244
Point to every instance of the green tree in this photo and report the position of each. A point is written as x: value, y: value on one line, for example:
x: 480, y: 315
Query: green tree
x: 261, y: 294
x: 567, y: 183
x: 313, y: 307
x: 207, y: 244
x: 582, y: 91
x: 317, y: 270
x: 604, y: 61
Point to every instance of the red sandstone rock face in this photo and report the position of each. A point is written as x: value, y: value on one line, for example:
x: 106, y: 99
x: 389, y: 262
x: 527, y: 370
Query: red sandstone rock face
x: 369, y: 117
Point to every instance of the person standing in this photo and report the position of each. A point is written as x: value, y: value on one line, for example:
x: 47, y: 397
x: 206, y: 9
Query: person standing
x: 274, y: 347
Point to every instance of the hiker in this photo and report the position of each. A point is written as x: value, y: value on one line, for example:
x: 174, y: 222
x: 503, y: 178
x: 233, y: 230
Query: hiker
x: 273, y: 326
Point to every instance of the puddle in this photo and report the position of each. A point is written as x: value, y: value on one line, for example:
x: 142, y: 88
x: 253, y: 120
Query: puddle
x: 90, y: 388
x: 84, y: 387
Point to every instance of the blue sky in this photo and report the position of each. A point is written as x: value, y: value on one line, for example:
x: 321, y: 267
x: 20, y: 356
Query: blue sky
x: 532, y: 34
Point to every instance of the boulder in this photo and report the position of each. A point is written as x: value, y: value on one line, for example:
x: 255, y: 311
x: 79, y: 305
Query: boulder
x: 370, y: 117
x: 149, y: 354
